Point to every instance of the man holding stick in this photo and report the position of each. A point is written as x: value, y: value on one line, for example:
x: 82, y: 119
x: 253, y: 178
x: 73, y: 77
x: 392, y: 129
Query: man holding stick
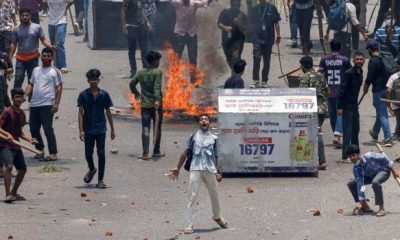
x: 150, y: 79
x: 12, y: 121
x: 371, y: 168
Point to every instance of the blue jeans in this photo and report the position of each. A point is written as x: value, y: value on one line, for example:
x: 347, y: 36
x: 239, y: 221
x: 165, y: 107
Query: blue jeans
x: 293, y: 23
x: 382, y: 118
x: 20, y: 68
x: 100, y: 141
x: 85, y: 15
x: 60, y: 60
x: 351, y: 128
x: 137, y: 34
x: 335, y: 120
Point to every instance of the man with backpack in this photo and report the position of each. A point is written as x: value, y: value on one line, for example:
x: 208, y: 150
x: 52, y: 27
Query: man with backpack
x: 393, y: 93
x: 342, y: 16
x: 378, y: 75
x: 202, y: 153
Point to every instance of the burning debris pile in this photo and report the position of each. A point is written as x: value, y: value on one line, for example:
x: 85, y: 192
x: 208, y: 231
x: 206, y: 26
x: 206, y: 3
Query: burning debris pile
x: 178, y: 93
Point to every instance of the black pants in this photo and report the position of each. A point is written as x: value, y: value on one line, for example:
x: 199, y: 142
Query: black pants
x: 5, y: 41
x: 137, y: 34
x: 376, y: 182
x: 233, y: 51
x: 304, y: 20
x: 345, y: 39
x: 100, y: 141
x: 263, y: 51
x: 42, y: 116
x: 35, y: 17
x: 148, y: 114
x: 4, y: 99
x: 383, y: 8
x: 351, y: 128
x: 191, y: 43
x: 321, y: 150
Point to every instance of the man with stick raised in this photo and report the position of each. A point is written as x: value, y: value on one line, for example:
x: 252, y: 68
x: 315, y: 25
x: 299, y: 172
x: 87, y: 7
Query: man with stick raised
x: 12, y: 121
x: 370, y: 168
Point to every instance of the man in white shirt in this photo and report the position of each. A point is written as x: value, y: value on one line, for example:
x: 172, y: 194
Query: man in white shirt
x: 58, y: 29
x: 46, y: 88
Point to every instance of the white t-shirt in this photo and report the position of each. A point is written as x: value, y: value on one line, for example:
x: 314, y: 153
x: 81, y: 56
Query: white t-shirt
x: 57, y: 11
x: 389, y: 84
x: 45, y: 81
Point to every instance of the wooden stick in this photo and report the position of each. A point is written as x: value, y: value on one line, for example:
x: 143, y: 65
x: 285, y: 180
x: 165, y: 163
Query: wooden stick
x: 29, y: 148
x: 390, y: 101
x: 379, y: 147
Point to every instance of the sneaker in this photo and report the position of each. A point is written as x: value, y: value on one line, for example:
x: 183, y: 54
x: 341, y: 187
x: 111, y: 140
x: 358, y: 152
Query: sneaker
x: 255, y: 84
x: 89, y: 176
x: 386, y: 143
x: 263, y: 84
x: 294, y: 44
x: 101, y: 184
x: 396, y: 136
x: 373, y: 136
x: 188, y: 230
x: 39, y: 156
x: 64, y: 70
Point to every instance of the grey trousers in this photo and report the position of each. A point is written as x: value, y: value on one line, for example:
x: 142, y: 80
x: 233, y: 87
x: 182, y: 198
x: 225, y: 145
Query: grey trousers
x: 376, y: 182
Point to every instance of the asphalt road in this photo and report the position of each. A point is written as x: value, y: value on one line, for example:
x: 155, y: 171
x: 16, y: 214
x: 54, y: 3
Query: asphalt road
x: 142, y: 203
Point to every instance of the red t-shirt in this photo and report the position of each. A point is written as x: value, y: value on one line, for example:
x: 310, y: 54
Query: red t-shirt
x: 12, y: 122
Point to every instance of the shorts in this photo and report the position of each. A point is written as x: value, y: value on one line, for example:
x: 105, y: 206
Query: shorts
x: 10, y: 157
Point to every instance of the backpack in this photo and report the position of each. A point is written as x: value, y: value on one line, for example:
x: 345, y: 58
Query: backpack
x: 390, y: 65
x: 396, y: 89
x: 337, y: 15
x: 189, y: 155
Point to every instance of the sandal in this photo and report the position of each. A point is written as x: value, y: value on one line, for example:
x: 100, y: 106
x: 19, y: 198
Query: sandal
x: 89, y: 176
x: 221, y: 222
x: 188, y: 230
x: 381, y: 213
x: 10, y: 199
x: 158, y: 155
x: 145, y: 157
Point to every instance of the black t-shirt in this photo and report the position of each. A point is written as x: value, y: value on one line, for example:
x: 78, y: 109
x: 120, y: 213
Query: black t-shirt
x: 134, y: 14
x: 226, y: 17
x: 377, y: 75
x: 234, y: 82
x: 262, y: 23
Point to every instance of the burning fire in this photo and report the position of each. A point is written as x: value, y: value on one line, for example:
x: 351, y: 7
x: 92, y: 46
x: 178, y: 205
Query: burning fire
x: 178, y: 92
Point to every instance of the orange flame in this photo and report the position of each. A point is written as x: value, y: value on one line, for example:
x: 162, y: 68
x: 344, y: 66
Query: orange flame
x: 178, y: 93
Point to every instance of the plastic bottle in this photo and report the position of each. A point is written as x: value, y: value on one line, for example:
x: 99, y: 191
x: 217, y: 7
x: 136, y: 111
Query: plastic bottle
x: 302, y: 139
x: 310, y: 150
x: 300, y: 153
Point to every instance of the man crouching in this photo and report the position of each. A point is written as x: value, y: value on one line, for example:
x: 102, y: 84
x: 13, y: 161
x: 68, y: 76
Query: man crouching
x: 371, y: 168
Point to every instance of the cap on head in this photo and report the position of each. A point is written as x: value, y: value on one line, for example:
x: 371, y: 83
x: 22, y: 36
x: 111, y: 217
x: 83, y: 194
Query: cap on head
x: 306, y: 62
x: 372, y: 44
